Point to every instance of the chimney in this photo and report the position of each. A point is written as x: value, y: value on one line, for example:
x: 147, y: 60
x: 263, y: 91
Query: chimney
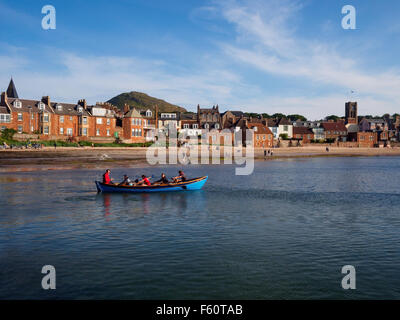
x: 82, y: 103
x: 126, y: 108
x: 46, y: 100
x: 4, y: 98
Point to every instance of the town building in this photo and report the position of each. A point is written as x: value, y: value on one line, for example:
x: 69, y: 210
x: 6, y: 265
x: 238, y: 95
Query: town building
x: 336, y: 131
x: 209, y: 118
x: 306, y: 135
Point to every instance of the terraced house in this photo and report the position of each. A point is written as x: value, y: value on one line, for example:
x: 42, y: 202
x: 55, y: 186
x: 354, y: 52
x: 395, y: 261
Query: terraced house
x: 55, y: 120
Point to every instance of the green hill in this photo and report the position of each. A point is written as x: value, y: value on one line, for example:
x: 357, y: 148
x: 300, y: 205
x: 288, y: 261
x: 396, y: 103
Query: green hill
x: 143, y: 101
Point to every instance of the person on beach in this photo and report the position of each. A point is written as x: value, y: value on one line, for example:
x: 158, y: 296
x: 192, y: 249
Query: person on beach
x: 163, y: 179
x: 144, y: 181
x: 180, y: 178
x: 126, y: 181
x: 106, y: 177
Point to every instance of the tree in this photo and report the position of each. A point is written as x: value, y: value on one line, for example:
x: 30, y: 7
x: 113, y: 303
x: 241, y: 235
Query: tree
x: 8, y: 134
x: 278, y: 115
x: 265, y: 115
x: 284, y: 136
x: 294, y: 117
x: 332, y: 117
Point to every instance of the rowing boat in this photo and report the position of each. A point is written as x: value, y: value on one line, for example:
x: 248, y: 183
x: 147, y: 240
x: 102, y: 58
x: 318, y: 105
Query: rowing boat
x: 192, y: 184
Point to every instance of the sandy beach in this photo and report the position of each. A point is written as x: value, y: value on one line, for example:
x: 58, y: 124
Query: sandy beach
x: 64, y: 158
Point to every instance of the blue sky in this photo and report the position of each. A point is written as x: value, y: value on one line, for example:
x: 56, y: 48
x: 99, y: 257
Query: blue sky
x: 263, y: 56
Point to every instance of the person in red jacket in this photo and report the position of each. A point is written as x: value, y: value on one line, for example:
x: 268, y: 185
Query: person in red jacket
x: 106, y: 177
x: 144, y: 181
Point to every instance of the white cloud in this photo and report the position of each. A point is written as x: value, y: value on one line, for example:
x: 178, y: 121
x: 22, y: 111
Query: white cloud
x: 266, y: 42
x: 99, y: 78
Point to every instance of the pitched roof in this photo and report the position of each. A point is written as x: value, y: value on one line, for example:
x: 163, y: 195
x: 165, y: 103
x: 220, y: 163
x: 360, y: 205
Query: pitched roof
x: 28, y: 106
x: 133, y: 113
x: 11, y: 90
x: 283, y: 121
x: 261, y: 129
x: 302, y: 130
x: 271, y: 122
x: 335, y: 126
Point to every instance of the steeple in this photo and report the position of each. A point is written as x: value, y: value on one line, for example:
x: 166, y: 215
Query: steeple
x: 11, y: 90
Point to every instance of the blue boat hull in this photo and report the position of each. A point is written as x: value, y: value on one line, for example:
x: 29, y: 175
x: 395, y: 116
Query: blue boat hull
x: 192, y: 184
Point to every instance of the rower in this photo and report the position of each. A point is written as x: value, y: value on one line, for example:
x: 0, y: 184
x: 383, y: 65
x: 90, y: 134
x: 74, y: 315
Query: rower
x: 126, y: 181
x: 144, y: 181
x: 163, y: 179
x: 106, y: 177
x: 180, y: 178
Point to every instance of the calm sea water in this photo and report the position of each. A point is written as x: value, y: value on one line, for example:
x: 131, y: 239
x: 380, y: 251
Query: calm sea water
x: 282, y: 233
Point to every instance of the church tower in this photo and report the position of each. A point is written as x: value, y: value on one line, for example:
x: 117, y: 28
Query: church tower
x: 351, y: 113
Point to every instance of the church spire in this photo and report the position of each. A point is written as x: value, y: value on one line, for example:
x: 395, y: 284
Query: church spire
x: 11, y: 90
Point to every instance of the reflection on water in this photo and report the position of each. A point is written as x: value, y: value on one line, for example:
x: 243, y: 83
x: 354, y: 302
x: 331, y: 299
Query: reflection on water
x: 283, y: 232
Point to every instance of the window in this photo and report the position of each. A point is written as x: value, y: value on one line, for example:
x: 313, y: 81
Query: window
x: 285, y: 128
x: 149, y: 113
x: 46, y: 117
x: 80, y: 109
x: 17, y: 104
x: 97, y: 132
x: 216, y: 126
x: 69, y: 131
x: 32, y: 116
x: 85, y: 131
x: 62, y: 119
x: 99, y: 120
x: 264, y: 137
x: 195, y: 126
x: 84, y: 120
x: 371, y: 138
x: 59, y: 107
x: 108, y: 121
x: 5, y: 118
x: 186, y: 126
x: 140, y: 132
x: 19, y: 116
x: 41, y: 106
x: 19, y: 129
x: 206, y: 126
x: 70, y: 118
x: 46, y: 130
x: 3, y: 128
x: 61, y: 131
x: 108, y: 132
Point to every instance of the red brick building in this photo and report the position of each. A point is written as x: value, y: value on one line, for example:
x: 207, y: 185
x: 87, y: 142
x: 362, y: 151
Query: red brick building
x: 335, y: 130
x: 262, y: 135
x: 303, y: 133
x: 55, y: 120
x: 132, y: 124
x: 367, y: 139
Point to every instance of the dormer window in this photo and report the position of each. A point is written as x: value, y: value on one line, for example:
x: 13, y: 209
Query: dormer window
x: 17, y: 104
x: 59, y: 107
x: 80, y: 109
x: 41, y: 106
x: 206, y: 126
x: 149, y: 113
x: 216, y: 126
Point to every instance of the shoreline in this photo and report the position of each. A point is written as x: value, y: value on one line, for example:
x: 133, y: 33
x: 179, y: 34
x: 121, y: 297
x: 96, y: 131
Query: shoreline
x: 69, y: 158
